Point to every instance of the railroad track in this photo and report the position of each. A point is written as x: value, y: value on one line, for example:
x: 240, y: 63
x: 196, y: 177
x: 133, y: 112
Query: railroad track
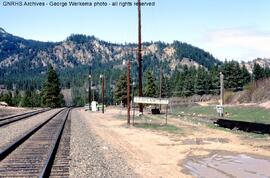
x: 10, y: 119
x: 33, y: 154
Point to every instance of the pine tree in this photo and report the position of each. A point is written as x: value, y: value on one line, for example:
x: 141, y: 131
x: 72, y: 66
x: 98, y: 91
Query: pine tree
x: 150, y: 87
x: 214, y: 81
x: 189, y: 81
x: 51, y: 96
x: 17, y: 98
x: 120, y: 92
x: 165, y: 87
x: 27, y: 99
x: 258, y: 72
x: 245, y: 75
x: 267, y: 72
x: 232, y: 75
x: 201, y: 82
x: 239, y: 83
x: 36, y: 99
x: 178, y: 87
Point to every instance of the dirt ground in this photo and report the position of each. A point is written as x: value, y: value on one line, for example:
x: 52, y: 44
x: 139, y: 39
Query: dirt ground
x: 7, y: 110
x: 162, y: 154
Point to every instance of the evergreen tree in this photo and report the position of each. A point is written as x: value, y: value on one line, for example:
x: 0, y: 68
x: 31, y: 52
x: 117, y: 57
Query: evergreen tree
x: 150, y: 87
x: 120, y: 92
x: 189, y: 81
x: 178, y: 87
x: 232, y: 75
x: 201, y: 82
x: 257, y: 72
x: 27, y: 99
x: 267, y: 72
x: 16, y: 100
x: 165, y: 87
x: 51, y: 96
x: 245, y: 75
x: 214, y: 81
x: 36, y: 99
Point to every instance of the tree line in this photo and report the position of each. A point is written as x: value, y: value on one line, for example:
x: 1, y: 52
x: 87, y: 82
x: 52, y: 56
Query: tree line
x: 49, y: 96
x: 187, y: 81
x: 182, y: 82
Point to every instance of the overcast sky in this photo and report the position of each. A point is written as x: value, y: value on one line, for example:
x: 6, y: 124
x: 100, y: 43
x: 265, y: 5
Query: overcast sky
x: 231, y: 29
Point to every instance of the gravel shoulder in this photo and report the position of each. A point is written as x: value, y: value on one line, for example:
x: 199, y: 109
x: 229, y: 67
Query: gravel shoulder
x: 7, y: 110
x: 11, y: 132
x: 90, y: 155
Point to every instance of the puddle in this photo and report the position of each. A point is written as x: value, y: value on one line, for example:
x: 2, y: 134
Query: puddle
x: 220, y: 166
x: 202, y: 141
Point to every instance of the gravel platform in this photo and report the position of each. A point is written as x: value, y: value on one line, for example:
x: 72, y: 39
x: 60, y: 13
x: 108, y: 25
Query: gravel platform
x: 11, y: 132
x: 91, y: 157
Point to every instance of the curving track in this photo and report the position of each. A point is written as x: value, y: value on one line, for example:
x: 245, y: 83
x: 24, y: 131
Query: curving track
x: 34, y: 153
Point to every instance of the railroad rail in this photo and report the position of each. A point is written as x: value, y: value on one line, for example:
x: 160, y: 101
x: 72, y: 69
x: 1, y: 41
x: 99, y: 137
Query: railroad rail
x: 33, y: 154
x: 14, y: 118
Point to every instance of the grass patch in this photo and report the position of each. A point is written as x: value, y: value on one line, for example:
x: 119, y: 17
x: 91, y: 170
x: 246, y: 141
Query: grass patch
x: 157, y: 127
x: 249, y: 114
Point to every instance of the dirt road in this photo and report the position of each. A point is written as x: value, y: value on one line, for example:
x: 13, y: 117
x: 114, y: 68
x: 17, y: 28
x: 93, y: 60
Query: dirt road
x: 163, y: 154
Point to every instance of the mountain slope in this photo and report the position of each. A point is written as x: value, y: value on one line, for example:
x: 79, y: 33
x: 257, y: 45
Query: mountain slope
x: 264, y: 63
x: 22, y: 59
x: 81, y: 49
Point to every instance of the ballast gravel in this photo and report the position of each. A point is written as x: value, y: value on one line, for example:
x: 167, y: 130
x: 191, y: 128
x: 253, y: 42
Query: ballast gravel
x: 91, y: 157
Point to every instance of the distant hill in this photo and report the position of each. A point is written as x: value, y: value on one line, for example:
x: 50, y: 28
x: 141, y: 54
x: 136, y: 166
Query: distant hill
x: 20, y: 57
x: 81, y: 49
x: 265, y: 63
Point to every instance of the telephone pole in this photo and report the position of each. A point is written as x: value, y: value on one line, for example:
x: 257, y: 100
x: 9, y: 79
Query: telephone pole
x: 222, y: 94
x: 90, y: 85
x: 160, y: 85
x: 102, y: 78
x: 128, y: 93
x: 221, y: 89
x: 140, y: 53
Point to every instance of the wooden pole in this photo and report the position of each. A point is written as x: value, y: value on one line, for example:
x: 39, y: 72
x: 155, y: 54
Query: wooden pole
x: 133, y: 90
x: 160, y: 85
x: 103, y: 94
x: 166, y: 114
x: 89, y: 88
x: 128, y: 93
x: 222, y: 93
x: 221, y: 89
x: 140, y: 54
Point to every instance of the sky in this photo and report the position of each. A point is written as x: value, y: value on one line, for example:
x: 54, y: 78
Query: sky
x: 228, y: 29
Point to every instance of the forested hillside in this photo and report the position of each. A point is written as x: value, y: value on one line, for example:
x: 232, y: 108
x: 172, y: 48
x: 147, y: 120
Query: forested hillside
x: 25, y: 61
x: 185, y: 70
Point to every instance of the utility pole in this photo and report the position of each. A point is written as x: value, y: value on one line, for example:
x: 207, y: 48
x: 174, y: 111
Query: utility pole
x: 102, y: 77
x: 140, y: 54
x: 133, y: 91
x: 128, y: 93
x: 222, y: 93
x: 221, y: 89
x: 90, y: 85
x: 160, y: 85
